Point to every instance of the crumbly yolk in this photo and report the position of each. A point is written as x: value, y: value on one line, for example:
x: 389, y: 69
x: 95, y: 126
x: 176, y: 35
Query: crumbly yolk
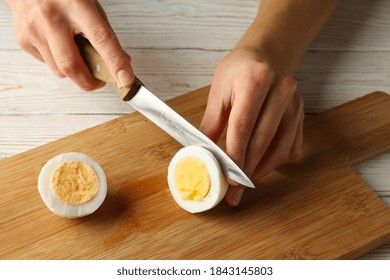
x: 74, y: 182
x: 192, y: 178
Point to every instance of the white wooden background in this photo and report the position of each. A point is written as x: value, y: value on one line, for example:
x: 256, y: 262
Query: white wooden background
x: 175, y: 46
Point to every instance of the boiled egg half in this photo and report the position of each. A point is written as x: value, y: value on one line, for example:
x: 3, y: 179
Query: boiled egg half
x: 195, y: 179
x: 72, y: 185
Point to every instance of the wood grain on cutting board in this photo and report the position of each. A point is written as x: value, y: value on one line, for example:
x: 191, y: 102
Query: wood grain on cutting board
x: 315, y: 208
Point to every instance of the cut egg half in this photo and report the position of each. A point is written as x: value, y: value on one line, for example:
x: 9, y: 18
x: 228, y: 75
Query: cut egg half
x: 195, y: 179
x: 72, y: 185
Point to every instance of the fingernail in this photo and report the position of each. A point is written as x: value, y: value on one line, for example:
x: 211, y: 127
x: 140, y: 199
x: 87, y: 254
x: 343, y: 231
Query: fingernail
x: 236, y: 195
x: 125, y: 79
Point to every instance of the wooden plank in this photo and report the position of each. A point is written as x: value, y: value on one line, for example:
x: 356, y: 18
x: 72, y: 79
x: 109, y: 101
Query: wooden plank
x: 356, y: 26
x: 323, y: 81
x: 22, y: 133
x: 376, y: 172
x: 175, y: 24
x: 314, y: 208
x: 328, y: 79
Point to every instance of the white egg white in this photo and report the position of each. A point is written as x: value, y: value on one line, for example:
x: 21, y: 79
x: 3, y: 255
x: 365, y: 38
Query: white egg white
x: 56, y: 205
x: 218, y: 181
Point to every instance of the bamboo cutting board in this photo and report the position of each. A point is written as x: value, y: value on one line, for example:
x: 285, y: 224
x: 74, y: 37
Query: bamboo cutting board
x: 315, y: 208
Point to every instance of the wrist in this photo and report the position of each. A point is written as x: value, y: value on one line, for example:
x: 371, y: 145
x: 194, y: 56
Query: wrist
x: 283, y: 30
x: 271, y: 48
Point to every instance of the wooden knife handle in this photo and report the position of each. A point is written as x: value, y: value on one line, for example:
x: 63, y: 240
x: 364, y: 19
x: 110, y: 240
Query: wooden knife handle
x: 99, y: 69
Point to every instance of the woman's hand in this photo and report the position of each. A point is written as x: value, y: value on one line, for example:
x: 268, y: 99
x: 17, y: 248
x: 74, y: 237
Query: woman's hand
x: 254, y: 93
x: 263, y: 113
x: 46, y: 30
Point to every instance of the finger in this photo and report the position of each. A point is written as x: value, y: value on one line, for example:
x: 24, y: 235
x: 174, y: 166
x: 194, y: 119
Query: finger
x: 243, y: 118
x: 212, y: 125
x: 44, y: 54
x: 215, y: 116
x: 249, y: 97
x: 234, y: 194
x: 34, y: 52
x: 102, y: 37
x: 101, y: 11
x: 296, y: 150
x: 269, y: 121
x: 48, y: 58
x: 34, y: 45
x: 279, y: 151
x: 288, y: 134
x: 69, y: 61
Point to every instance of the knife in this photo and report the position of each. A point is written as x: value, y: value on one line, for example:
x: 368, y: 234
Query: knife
x: 153, y: 108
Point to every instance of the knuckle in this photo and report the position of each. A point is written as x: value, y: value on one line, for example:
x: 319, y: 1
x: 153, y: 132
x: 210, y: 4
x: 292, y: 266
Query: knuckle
x: 118, y: 60
x: 265, y: 71
x: 59, y: 74
x: 244, y: 127
x: 66, y: 66
x: 286, y: 91
x: 22, y: 40
x: 102, y: 35
x: 46, y: 11
x: 263, y: 141
x: 24, y: 34
x: 257, y: 72
x: 115, y: 60
x: 128, y: 57
x: 290, y: 82
x: 289, y: 85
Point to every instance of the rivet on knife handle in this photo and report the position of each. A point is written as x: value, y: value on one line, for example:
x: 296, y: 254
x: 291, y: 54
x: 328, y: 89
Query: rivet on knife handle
x: 99, y: 69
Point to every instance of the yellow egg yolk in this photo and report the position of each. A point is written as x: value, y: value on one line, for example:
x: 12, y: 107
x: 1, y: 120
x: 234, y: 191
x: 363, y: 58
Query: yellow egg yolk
x: 74, y: 182
x: 192, y: 178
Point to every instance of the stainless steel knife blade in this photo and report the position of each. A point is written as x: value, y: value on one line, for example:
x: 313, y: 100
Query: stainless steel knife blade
x: 153, y: 108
